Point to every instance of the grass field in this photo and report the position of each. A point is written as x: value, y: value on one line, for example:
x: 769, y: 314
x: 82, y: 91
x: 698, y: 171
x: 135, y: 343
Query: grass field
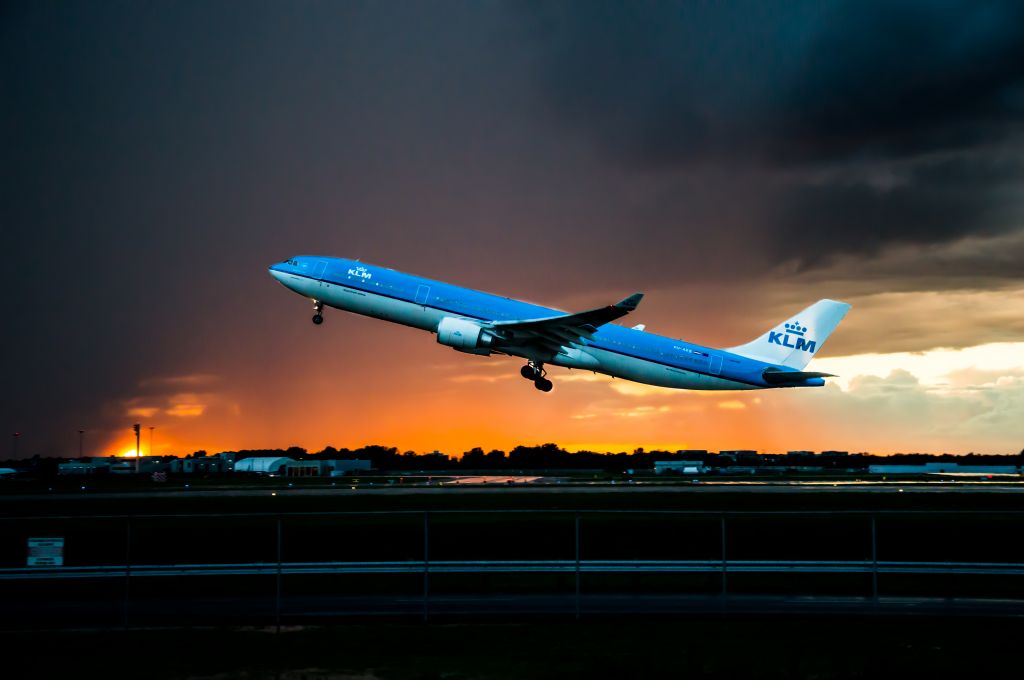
x: 749, y: 648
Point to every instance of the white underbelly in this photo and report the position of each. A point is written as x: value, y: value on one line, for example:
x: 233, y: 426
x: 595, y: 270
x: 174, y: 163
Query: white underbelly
x: 653, y: 373
x: 376, y: 306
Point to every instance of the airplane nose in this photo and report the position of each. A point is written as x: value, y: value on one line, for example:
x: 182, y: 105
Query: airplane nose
x: 276, y: 271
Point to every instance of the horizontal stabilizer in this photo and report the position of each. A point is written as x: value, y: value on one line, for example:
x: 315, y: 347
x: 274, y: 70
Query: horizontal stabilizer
x: 777, y: 377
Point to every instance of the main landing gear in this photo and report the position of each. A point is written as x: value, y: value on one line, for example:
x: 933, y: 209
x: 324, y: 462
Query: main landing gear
x: 318, y: 308
x: 534, y: 371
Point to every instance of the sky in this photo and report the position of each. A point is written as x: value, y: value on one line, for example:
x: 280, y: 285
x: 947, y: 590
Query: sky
x: 735, y: 161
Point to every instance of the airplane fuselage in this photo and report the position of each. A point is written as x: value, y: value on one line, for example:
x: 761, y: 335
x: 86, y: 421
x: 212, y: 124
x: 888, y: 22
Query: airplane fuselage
x: 614, y: 350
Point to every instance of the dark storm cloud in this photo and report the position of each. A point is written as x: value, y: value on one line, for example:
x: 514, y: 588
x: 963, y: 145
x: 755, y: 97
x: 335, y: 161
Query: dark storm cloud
x: 658, y: 83
x: 676, y: 83
x: 799, y: 88
x: 895, y: 78
x: 930, y: 202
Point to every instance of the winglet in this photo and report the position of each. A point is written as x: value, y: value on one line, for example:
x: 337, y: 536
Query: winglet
x: 631, y: 302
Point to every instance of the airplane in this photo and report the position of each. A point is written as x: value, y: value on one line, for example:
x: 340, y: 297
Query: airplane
x: 479, y: 323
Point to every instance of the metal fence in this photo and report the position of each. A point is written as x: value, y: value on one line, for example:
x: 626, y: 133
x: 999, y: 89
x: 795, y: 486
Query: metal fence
x: 577, y: 559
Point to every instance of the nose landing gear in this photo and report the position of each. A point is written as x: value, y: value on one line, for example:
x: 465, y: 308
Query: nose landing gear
x: 318, y: 308
x: 534, y: 370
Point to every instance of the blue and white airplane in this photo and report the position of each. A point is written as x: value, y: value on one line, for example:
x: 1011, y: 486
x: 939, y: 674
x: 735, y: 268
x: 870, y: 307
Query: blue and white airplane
x: 479, y: 323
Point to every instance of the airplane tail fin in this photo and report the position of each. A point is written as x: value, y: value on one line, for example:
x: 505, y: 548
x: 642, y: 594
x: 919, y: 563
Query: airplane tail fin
x: 794, y: 342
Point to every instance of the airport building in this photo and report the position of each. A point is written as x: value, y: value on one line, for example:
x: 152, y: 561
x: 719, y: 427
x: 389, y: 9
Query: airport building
x: 288, y: 467
x: 325, y: 468
x: 741, y: 456
x: 201, y: 465
x: 114, y: 465
x: 85, y: 466
x: 340, y: 468
x: 146, y: 465
x: 263, y: 465
x: 679, y: 467
x: 943, y: 468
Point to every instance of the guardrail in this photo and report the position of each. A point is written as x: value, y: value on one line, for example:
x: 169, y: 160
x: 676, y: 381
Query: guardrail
x: 517, y: 566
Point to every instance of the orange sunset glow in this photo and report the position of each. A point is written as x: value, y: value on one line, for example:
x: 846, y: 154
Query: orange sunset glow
x: 437, y: 399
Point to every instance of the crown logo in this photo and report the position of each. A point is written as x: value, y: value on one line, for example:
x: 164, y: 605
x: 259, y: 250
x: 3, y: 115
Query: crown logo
x: 795, y: 328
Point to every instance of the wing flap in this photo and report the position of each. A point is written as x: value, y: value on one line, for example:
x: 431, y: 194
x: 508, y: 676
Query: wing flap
x: 565, y: 330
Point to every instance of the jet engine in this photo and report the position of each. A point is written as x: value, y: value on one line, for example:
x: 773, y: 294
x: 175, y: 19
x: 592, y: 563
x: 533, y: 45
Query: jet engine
x: 464, y: 336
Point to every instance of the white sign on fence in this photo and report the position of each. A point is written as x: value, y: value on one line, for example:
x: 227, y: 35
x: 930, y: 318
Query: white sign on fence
x: 46, y: 552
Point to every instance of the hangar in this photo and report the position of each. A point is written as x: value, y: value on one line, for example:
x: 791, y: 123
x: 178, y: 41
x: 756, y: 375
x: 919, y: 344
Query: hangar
x: 263, y: 465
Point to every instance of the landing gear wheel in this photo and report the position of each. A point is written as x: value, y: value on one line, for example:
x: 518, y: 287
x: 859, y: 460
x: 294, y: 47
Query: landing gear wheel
x: 543, y: 384
x: 318, y: 319
x: 533, y: 371
x: 318, y: 307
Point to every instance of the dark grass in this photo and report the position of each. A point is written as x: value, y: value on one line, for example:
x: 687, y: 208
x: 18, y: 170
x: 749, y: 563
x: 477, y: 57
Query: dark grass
x: 709, y: 647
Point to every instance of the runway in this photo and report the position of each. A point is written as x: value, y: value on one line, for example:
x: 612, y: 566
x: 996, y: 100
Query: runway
x: 538, y: 486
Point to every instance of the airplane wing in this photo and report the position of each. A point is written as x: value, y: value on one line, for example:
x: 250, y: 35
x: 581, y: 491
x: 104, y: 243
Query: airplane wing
x: 554, y: 332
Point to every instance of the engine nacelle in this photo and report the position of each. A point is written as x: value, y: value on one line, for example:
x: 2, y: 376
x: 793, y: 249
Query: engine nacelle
x: 464, y: 335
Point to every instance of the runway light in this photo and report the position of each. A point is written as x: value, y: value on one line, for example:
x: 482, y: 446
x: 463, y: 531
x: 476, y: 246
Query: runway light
x: 273, y: 493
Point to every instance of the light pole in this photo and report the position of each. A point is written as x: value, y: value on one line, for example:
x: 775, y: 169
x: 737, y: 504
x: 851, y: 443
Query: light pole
x: 136, y: 428
x: 151, y: 428
x: 81, y: 446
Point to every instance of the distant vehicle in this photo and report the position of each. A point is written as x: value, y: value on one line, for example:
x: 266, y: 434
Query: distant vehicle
x: 480, y: 323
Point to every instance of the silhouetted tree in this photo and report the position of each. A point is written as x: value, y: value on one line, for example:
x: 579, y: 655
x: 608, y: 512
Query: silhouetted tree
x: 474, y: 458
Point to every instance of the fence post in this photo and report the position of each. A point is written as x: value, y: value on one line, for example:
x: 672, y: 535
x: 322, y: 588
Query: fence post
x: 277, y: 594
x: 874, y: 559
x: 725, y: 590
x: 127, y: 567
x: 577, y: 565
x: 426, y: 565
